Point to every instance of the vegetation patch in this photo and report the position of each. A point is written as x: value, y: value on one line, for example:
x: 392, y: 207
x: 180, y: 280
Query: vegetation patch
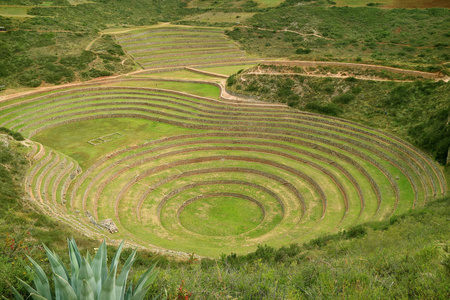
x: 317, y: 32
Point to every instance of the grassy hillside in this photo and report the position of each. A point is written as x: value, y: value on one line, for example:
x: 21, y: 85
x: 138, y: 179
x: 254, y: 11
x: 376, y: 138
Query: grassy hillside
x: 58, y: 43
x: 314, y: 30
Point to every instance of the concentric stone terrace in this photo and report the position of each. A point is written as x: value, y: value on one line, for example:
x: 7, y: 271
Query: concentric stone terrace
x: 213, y: 176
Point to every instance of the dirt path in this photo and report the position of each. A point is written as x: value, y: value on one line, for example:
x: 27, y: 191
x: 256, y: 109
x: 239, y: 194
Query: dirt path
x: 88, y: 47
x: 287, y: 30
x: 327, y: 75
x: 436, y: 76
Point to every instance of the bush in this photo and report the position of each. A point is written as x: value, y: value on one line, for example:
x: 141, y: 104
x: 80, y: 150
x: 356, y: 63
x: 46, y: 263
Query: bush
x: 56, y: 74
x: 328, y: 109
x: 399, y: 96
x: 78, y: 62
x: 343, y: 98
x: 302, y: 51
x: 94, y: 73
x: 16, y: 135
x: 434, y: 134
x: 231, y: 80
x: 355, y: 232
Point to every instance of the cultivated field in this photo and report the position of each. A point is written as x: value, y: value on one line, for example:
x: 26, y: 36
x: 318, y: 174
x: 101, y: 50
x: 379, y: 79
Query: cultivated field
x: 197, y: 174
x: 178, y: 46
x: 13, y: 11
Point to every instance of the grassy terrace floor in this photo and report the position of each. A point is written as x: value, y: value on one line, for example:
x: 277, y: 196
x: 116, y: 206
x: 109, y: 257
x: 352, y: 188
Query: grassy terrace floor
x: 155, y: 157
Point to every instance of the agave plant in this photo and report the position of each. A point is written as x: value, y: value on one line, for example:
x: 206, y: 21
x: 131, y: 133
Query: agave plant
x: 89, y: 277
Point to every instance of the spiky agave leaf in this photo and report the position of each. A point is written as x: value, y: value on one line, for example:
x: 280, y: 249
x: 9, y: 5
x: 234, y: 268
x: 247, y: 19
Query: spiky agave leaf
x: 75, y: 262
x: 89, y: 278
x: 40, y: 280
x: 99, y: 267
x: 86, y: 274
x: 122, y: 279
x: 115, y: 260
x: 38, y: 297
x: 129, y: 293
x: 17, y: 296
x: 144, y: 284
x: 56, y: 264
x: 64, y: 289
x: 108, y: 291
x: 75, y: 249
x: 28, y: 287
x: 86, y: 291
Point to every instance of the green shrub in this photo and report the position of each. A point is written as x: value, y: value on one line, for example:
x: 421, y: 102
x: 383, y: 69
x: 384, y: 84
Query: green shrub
x: 327, y: 109
x: 355, y: 232
x: 16, y: 135
x: 78, y: 62
x: 302, y: 51
x: 343, y: 98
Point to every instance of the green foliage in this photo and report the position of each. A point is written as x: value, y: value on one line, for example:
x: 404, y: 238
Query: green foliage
x: 56, y: 74
x: 327, y: 109
x: 94, y: 73
x: 80, y: 62
x: 231, y: 80
x: 16, y: 135
x: 343, y: 98
x: 107, y: 45
x: 433, y: 134
x: 302, y: 51
x: 398, y: 96
x: 22, y: 229
x: 98, y: 14
x: 89, y: 278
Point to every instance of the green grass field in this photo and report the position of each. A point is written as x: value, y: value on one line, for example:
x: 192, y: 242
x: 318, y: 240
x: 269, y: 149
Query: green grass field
x: 227, y: 70
x: 198, y: 89
x: 221, y: 216
x: 181, y: 74
x: 73, y: 138
x: 14, y: 11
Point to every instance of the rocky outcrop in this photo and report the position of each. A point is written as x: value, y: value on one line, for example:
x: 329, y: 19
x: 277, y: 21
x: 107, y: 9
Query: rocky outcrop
x: 109, y: 225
